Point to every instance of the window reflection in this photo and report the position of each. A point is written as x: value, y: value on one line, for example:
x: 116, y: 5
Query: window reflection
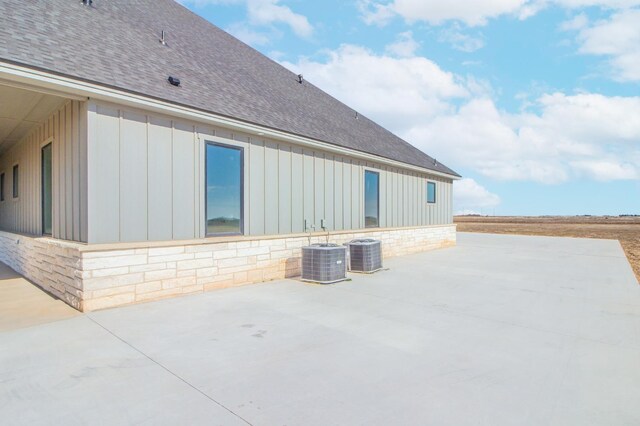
x: 371, y: 199
x: 431, y: 192
x: 224, y: 189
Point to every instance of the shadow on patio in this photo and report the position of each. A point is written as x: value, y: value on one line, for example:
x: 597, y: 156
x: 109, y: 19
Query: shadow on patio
x: 23, y: 304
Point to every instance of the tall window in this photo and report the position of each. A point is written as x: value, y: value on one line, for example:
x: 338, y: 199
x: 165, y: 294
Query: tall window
x: 46, y: 190
x: 15, y: 181
x: 431, y: 192
x: 224, y: 186
x: 371, y: 199
x: 1, y: 186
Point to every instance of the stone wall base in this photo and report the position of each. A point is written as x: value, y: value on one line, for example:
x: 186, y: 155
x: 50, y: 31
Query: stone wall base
x: 52, y: 264
x: 90, y: 277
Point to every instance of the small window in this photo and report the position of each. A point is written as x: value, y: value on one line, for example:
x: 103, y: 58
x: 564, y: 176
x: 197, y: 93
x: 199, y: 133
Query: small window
x: 431, y: 192
x: 225, y: 189
x: 1, y: 186
x: 371, y: 199
x: 15, y: 181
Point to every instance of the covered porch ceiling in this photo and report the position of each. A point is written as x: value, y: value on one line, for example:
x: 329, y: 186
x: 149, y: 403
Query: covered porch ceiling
x: 20, y: 110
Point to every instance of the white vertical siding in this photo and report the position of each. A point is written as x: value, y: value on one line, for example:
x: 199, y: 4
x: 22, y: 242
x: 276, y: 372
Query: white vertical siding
x: 183, y: 175
x: 329, y: 192
x: 356, y: 194
x: 346, y: 194
x: 285, y: 170
x: 271, y: 189
x: 338, y: 199
x: 65, y: 128
x: 297, y: 190
x: 133, y: 177
x: 148, y: 182
x: 308, y: 207
x: 383, y: 196
x: 160, y: 178
x: 256, y: 187
x: 104, y: 175
x: 318, y: 189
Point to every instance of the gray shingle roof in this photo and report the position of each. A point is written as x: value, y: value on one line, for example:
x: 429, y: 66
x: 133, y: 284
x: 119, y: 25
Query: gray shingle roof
x: 115, y: 43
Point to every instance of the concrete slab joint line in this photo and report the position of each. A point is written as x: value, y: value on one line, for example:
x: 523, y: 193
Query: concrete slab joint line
x: 174, y: 374
x: 92, y: 277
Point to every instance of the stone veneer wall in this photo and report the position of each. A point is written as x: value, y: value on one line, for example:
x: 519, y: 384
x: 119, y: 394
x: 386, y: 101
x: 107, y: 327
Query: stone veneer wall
x: 52, y: 264
x: 91, y: 277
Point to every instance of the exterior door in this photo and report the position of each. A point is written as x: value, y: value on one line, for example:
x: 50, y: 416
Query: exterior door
x: 47, y: 196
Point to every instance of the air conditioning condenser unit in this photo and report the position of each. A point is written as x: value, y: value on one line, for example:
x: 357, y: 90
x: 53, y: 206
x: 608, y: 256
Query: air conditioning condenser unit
x: 324, y: 263
x: 365, y: 255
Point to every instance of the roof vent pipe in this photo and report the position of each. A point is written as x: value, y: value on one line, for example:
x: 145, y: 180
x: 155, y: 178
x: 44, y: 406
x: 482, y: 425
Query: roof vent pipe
x: 87, y: 2
x: 164, y: 43
x: 300, y: 78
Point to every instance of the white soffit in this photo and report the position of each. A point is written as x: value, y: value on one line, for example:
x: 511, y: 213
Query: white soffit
x: 20, y: 111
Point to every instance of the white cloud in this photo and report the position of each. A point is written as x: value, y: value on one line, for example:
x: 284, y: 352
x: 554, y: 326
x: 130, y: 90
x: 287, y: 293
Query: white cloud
x: 607, y: 170
x: 472, y: 13
x: 373, y: 13
x: 576, y: 23
x: 617, y: 38
x: 397, y: 91
x: 261, y: 13
x: 480, y: 137
x: 459, y: 40
x: 266, y: 12
x: 436, y: 12
x: 570, y: 136
x: 247, y: 35
x: 607, y: 4
x: 405, y: 46
x: 574, y: 136
x: 592, y: 117
x: 469, y: 197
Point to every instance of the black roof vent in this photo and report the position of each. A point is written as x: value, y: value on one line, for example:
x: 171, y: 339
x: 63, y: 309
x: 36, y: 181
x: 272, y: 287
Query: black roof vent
x: 174, y: 81
x: 162, y: 40
x: 300, y: 78
x: 87, y: 2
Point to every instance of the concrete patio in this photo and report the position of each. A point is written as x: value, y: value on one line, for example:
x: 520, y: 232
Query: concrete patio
x: 500, y: 330
x: 23, y: 304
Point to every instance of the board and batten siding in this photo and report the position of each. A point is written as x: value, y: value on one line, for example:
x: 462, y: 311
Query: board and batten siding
x: 65, y: 129
x: 146, y: 182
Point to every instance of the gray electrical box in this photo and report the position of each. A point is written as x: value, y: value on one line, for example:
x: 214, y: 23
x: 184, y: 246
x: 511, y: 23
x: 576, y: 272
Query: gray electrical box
x: 324, y: 263
x: 365, y: 255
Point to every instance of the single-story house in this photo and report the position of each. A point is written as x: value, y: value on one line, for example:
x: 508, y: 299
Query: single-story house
x: 146, y: 153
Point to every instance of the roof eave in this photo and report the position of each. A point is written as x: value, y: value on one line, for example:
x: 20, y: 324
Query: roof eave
x: 63, y: 85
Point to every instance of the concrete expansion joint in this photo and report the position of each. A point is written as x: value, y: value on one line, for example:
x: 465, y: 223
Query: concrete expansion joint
x: 168, y: 370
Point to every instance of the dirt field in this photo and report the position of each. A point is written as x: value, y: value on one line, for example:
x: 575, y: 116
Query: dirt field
x: 624, y: 229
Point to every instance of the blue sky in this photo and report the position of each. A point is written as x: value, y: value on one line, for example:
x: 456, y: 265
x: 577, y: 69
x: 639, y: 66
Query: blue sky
x: 535, y: 102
